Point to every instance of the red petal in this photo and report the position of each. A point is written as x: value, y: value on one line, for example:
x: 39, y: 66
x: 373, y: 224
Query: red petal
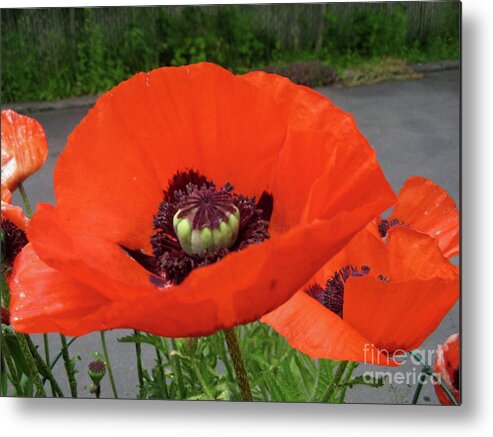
x: 398, y: 315
x: 428, y: 208
x: 423, y: 287
x: 318, y: 332
x: 15, y: 214
x: 6, y: 194
x: 44, y: 300
x: 24, y: 148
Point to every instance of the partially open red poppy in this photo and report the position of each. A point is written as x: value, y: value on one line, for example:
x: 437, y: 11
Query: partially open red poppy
x: 376, y: 298
x: 447, y: 367
x: 11, y: 212
x: 14, y: 225
x: 294, y: 180
x: 424, y: 206
x: 24, y: 148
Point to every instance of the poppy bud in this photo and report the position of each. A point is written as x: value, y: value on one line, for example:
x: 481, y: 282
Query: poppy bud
x: 96, y: 371
x: 197, y: 241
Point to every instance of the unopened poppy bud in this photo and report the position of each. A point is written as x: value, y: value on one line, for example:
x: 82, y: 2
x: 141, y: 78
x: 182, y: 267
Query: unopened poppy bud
x: 197, y: 241
x: 96, y: 371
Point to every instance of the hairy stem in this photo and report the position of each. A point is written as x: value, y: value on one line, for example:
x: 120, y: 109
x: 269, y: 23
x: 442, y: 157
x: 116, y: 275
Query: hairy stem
x: 108, y: 364
x: 176, y: 366
x: 44, y: 370
x: 238, y: 364
x: 33, y: 370
x: 68, y: 367
x: 138, y: 353
x: 9, y: 362
x: 164, y: 389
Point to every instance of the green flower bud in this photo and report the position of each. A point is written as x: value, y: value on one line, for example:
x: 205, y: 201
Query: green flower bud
x: 197, y: 241
x: 96, y: 371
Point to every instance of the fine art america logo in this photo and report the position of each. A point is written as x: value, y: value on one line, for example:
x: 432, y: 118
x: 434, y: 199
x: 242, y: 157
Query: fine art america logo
x: 420, y: 359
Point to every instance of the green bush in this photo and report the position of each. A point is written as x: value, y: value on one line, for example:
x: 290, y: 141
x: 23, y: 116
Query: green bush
x: 54, y: 53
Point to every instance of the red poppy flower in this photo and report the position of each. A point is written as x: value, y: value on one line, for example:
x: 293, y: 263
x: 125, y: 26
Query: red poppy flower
x: 425, y: 207
x: 24, y: 148
x: 375, y: 298
x: 142, y: 238
x: 14, y: 225
x: 447, y: 367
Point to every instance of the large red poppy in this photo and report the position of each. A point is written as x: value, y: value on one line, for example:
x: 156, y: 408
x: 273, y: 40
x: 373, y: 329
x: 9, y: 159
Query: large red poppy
x: 426, y: 207
x: 261, y: 133
x: 374, y: 299
x: 447, y: 367
x: 24, y: 148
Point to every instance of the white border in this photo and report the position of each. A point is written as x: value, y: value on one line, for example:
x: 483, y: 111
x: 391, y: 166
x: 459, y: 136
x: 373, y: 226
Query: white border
x: 19, y: 417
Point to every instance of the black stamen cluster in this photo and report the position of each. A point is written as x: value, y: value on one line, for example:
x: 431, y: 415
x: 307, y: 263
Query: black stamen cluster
x: 170, y: 261
x: 13, y: 240
x: 385, y: 225
x: 332, y: 296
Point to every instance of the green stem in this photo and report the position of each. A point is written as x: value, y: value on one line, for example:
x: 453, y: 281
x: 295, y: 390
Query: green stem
x: 59, y: 355
x: 47, y: 359
x: 238, y: 364
x: 108, y: 364
x: 25, y: 199
x: 176, y: 366
x: 138, y: 353
x: 68, y: 367
x: 33, y: 370
x: 47, y: 350
x: 427, y: 369
x: 164, y: 389
x: 335, y: 381
x: 44, y: 370
x: 9, y: 361
x: 201, y: 379
x: 419, y: 387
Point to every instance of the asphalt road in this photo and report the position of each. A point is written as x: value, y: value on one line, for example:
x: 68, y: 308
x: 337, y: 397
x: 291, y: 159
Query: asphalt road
x: 413, y: 125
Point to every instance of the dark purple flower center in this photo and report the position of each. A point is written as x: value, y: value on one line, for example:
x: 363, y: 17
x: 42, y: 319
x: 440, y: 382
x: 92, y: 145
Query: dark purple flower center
x: 385, y: 225
x: 13, y: 240
x: 332, y: 295
x: 190, y: 196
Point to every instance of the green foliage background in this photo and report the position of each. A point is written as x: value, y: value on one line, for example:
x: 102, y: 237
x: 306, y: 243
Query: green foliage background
x: 47, y: 54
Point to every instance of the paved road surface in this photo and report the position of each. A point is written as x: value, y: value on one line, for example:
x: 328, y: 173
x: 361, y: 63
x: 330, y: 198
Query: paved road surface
x: 413, y: 125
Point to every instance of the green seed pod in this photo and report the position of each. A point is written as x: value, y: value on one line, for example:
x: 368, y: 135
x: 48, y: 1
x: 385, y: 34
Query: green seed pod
x: 197, y: 241
x: 96, y: 371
